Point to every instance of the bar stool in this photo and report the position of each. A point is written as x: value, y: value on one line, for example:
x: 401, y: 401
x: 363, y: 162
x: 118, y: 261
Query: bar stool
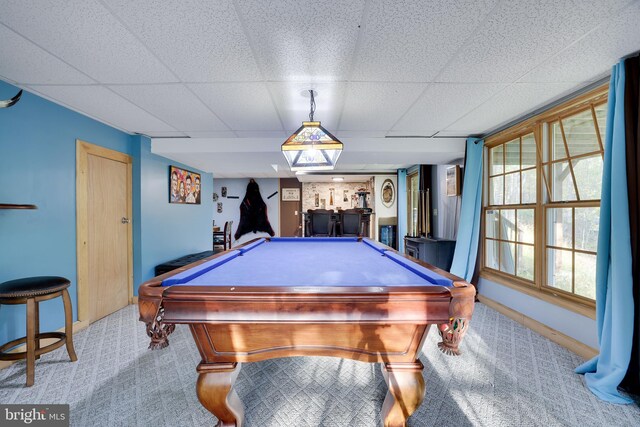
x: 31, y: 291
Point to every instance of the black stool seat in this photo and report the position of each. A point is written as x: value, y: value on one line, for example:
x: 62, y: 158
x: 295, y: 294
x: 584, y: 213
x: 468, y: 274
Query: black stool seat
x: 33, y: 286
x: 31, y: 291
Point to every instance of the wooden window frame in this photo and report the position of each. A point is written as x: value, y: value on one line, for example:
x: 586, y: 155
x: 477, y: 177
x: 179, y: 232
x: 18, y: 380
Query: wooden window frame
x: 503, y: 140
x: 410, y: 189
x: 539, y: 125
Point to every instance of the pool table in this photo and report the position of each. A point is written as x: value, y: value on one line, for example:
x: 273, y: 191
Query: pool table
x: 277, y: 297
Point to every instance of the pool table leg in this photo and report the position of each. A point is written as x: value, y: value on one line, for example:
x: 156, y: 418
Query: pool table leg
x: 215, y: 392
x: 405, y: 394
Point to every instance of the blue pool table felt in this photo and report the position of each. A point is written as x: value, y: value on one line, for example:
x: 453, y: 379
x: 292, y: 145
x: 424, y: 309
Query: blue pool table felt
x: 309, y: 262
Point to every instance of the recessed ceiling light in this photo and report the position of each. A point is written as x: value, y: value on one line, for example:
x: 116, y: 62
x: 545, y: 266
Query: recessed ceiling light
x: 337, y: 178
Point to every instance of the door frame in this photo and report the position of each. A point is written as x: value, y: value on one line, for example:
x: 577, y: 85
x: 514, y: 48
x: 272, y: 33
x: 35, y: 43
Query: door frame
x: 83, y: 150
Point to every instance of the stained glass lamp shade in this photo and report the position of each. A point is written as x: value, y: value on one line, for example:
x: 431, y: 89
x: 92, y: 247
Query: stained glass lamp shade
x: 311, y: 148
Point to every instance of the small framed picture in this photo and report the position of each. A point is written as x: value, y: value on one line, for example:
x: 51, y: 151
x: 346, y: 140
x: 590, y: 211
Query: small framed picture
x: 453, y: 181
x: 290, y: 194
x: 223, y: 191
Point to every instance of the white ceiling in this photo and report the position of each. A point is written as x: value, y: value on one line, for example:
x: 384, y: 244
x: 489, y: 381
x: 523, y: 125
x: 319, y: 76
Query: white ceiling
x: 229, y: 73
x: 329, y: 178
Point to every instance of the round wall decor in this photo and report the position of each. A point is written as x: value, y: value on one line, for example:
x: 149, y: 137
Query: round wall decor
x: 388, y: 193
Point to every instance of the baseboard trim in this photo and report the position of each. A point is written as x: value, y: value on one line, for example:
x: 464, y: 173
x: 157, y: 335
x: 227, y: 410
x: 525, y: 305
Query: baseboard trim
x: 77, y: 327
x: 565, y: 341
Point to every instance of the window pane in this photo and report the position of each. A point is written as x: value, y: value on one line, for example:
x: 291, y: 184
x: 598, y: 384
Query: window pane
x: 512, y: 156
x: 497, y: 161
x: 507, y: 257
x: 588, y: 172
x: 491, y: 254
x: 496, y: 190
x: 525, y: 226
x: 528, y: 151
x: 581, y: 133
x: 563, y: 189
x: 601, y: 117
x: 586, y: 275
x: 529, y: 188
x: 586, y: 229
x: 559, y: 269
x: 508, y: 224
x: 413, y: 205
x: 557, y: 143
x: 525, y: 261
x: 559, y: 227
x: 491, y: 224
x: 512, y: 189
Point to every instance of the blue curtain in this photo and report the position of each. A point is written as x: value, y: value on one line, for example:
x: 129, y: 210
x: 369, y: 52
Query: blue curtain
x: 402, y: 208
x: 614, y: 281
x: 464, y: 257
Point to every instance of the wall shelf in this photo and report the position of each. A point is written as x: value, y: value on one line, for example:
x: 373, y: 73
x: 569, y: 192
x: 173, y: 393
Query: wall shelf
x: 14, y: 206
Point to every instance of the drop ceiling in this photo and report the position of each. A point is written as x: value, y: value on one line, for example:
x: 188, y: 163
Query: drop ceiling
x: 217, y: 84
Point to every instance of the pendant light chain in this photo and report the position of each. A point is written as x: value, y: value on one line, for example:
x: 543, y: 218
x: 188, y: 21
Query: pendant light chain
x: 313, y: 106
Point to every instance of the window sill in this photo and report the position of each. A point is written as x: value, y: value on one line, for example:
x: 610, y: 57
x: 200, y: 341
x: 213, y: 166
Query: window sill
x: 546, y: 296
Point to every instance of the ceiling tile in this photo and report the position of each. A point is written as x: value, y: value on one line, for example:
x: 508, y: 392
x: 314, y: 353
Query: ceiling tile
x: 174, y: 104
x: 302, y: 39
x: 443, y: 104
x: 409, y: 40
x: 451, y: 134
x: 156, y: 135
x: 513, y: 102
x: 340, y: 134
x: 201, y: 41
x: 293, y: 103
x: 242, y: 106
x: 517, y: 36
x: 85, y: 35
x: 377, y: 106
x: 23, y: 62
x: 104, y: 105
x: 210, y: 134
x: 595, y: 54
x: 262, y: 134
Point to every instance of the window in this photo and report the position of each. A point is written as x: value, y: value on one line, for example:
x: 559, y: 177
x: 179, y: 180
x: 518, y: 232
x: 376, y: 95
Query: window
x: 509, y: 217
x: 413, y: 201
x: 573, y: 208
x: 542, y: 200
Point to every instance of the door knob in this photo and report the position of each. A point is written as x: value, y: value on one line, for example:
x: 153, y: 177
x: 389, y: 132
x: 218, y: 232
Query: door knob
x: 125, y: 220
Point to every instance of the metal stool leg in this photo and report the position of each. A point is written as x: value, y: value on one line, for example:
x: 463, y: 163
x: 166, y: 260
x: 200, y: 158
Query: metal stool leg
x: 68, y: 325
x: 31, y: 341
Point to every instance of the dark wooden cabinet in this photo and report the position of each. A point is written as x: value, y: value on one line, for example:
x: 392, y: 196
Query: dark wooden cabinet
x: 437, y: 252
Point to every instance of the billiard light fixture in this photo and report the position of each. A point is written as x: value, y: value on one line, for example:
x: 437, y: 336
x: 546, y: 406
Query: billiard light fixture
x: 311, y: 147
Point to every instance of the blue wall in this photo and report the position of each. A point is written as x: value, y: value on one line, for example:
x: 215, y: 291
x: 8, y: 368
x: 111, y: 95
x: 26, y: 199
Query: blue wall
x: 38, y: 166
x: 167, y: 231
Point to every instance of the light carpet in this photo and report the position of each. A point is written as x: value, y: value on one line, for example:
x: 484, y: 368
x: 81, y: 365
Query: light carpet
x: 507, y: 376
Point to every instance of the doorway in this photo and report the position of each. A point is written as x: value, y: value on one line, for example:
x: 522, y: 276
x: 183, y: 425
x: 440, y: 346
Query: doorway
x: 104, y: 233
x: 290, y: 215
